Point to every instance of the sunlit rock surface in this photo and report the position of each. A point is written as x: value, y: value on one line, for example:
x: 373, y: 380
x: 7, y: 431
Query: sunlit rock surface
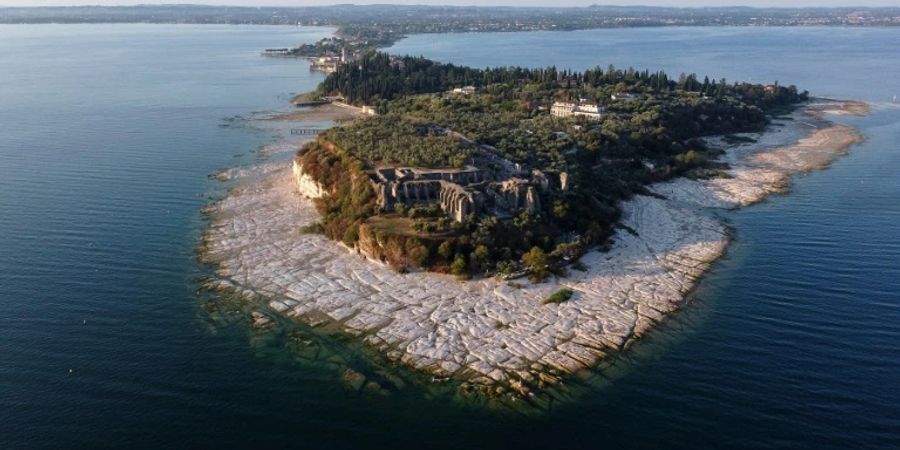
x: 305, y: 184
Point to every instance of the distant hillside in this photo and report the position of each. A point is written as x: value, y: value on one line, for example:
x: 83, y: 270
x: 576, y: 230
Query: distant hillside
x: 421, y: 19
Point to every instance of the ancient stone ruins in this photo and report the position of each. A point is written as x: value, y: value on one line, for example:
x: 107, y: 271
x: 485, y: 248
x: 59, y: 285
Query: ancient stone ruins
x: 495, y: 186
x: 499, y: 188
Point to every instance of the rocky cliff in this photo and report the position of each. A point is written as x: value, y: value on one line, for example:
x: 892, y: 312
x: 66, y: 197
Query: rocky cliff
x: 306, y: 185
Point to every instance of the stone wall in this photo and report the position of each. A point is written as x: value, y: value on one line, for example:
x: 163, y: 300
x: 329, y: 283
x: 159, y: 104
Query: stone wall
x: 417, y: 191
x: 458, y: 202
x: 459, y: 192
x: 516, y: 194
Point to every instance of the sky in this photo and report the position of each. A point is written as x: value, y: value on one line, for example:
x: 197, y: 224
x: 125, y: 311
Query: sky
x: 782, y: 3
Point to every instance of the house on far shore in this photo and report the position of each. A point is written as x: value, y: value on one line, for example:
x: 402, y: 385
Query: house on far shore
x: 465, y: 90
x: 326, y: 64
x: 368, y: 110
x: 582, y: 108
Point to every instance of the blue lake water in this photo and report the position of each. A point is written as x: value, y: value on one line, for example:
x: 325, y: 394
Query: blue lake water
x: 108, y: 133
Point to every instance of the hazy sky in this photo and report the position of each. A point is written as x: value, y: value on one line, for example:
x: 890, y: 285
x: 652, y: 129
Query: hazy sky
x: 784, y: 3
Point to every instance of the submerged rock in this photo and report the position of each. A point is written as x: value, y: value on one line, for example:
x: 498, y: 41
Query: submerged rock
x: 374, y: 388
x: 260, y: 320
x: 353, y: 379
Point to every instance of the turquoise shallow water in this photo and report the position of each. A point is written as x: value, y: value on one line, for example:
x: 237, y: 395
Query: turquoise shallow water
x: 108, y: 133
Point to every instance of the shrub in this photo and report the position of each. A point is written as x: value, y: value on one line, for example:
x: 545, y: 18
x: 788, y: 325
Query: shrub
x: 691, y: 158
x: 418, y: 253
x: 418, y: 212
x: 559, y: 296
x: 426, y: 227
x: 313, y: 228
x: 445, y: 250
x: 351, y: 235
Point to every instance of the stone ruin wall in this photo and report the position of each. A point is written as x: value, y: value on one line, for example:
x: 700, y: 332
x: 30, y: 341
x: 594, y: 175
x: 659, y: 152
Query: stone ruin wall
x: 517, y: 194
x: 444, y: 188
x: 413, y: 186
x: 454, y: 199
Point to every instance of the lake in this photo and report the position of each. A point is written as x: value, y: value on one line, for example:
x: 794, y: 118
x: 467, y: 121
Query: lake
x: 109, y: 133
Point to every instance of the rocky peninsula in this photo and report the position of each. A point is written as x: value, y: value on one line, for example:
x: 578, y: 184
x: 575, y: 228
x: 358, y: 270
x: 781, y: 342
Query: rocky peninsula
x: 497, y: 336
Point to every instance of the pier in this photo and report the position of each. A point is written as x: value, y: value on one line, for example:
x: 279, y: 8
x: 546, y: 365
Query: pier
x: 306, y: 131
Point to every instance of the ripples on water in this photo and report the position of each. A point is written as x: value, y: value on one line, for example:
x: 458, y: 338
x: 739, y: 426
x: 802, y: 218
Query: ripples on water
x: 108, y: 137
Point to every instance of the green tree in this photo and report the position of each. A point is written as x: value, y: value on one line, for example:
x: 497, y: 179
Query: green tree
x: 536, y: 261
x: 445, y: 250
x: 691, y: 158
x: 482, y: 255
x: 458, y: 267
x: 560, y: 209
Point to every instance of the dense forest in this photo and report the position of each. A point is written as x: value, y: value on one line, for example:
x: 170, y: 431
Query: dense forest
x: 380, y: 77
x: 650, y: 130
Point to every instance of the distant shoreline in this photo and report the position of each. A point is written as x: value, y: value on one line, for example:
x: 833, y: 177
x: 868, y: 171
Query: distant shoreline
x: 465, y: 17
x: 497, y: 338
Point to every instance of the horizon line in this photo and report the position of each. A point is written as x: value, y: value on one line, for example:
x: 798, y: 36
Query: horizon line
x: 480, y: 6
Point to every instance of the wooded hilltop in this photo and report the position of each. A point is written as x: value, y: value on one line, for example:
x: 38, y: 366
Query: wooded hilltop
x: 502, y: 123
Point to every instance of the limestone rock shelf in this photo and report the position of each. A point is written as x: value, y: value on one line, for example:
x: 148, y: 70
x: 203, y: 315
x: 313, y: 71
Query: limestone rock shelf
x: 488, y: 332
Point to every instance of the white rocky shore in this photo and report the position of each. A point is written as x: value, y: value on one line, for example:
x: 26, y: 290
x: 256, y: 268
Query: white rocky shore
x: 489, y: 332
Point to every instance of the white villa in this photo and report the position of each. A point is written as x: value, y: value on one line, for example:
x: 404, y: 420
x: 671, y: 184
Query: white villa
x: 465, y: 90
x: 583, y: 108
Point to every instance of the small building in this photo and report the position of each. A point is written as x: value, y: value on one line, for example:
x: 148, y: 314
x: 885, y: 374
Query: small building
x: 582, y: 108
x: 623, y: 96
x: 397, y: 62
x: 562, y: 109
x: 465, y: 90
x: 327, y: 64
